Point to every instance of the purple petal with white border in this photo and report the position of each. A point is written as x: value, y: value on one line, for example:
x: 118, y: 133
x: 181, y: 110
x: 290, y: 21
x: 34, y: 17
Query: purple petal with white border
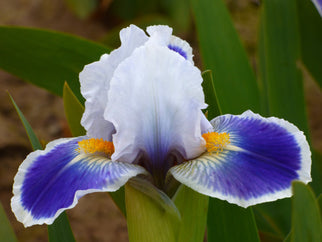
x: 52, y: 180
x: 318, y: 5
x: 264, y: 157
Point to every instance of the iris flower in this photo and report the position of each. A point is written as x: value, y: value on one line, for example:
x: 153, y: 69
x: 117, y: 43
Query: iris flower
x: 143, y: 116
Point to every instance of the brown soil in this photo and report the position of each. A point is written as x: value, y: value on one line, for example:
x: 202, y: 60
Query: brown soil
x: 95, y: 218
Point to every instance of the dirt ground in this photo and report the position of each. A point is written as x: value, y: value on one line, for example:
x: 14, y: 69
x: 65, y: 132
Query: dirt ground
x: 95, y: 218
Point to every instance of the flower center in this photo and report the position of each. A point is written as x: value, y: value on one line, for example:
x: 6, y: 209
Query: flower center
x: 96, y: 146
x: 216, y: 142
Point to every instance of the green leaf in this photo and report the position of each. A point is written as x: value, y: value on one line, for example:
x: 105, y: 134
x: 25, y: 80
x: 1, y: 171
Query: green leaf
x: 74, y: 111
x: 60, y: 230
x: 222, y: 52
x: 274, y: 217
x: 193, y: 208
x: 213, y: 110
x: 6, y: 232
x: 306, y: 219
x: 320, y: 204
x: 279, y: 53
x: 46, y: 58
x: 31, y: 135
x: 310, y: 26
x: 82, y: 8
x: 281, y: 49
x: 148, y: 219
x: 231, y: 222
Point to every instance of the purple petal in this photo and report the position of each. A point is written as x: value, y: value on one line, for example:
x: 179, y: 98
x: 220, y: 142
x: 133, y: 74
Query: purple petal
x: 263, y: 158
x: 51, y: 181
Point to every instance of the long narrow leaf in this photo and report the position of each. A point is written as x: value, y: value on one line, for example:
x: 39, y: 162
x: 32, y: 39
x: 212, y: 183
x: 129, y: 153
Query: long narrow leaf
x: 231, y: 223
x: 6, y: 231
x: 311, y: 38
x: 223, y: 54
x: 60, y: 230
x: 193, y: 208
x: 306, y: 219
x: 279, y: 55
x: 211, y: 99
x: 73, y: 111
x: 46, y: 58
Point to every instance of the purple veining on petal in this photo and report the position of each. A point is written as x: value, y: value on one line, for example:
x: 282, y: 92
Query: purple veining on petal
x: 259, y: 165
x: 248, y: 176
x: 263, y: 139
x: 51, y: 181
x: 178, y: 50
x: 269, y: 162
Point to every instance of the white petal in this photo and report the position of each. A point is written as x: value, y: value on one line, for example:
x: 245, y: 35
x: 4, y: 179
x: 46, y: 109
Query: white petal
x: 155, y: 100
x: 95, y: 82
x: 162, y: 35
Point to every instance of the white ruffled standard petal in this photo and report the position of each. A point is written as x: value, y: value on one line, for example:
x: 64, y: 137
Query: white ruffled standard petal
x: 263, y: 158
x: 163, y: 35
x: 95, y: 81
x: 52, y: 180
x: 155, y: 100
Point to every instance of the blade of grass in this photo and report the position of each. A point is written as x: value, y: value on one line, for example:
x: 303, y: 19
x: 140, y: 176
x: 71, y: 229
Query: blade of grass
x: 211, y: 99
x: 46, y: 58
x: 193, y: 208
x: 228, y: 222
x: 306, y: 219
x: 311, y: 38
x: 222, y: 52
x: 6, y: 231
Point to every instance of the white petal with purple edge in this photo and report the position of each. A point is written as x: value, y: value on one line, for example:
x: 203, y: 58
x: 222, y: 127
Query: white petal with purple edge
x: 154, y: 103
x: 264, y: 157
x: 162, y: 35
x: 52, y: 180
x: 95, y: 81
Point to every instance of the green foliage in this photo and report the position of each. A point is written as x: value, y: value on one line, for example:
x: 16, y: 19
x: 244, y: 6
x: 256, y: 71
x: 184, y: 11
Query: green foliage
x: 193, y: 208
x: 6, y: 231
x: 228, y: 222
x: 213, y: 110
x: 73, y: 111
x: 306, y: 215
x: 282, y: 88
x: 31, y: 135
x: 150, y: 216
x: 310, y: 29
x: 46, y: 58
x: 223, y: 53
x: 60, y: 230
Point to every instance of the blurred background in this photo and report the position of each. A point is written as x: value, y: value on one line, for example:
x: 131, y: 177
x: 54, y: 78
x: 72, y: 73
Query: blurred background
x: 96, y: 218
